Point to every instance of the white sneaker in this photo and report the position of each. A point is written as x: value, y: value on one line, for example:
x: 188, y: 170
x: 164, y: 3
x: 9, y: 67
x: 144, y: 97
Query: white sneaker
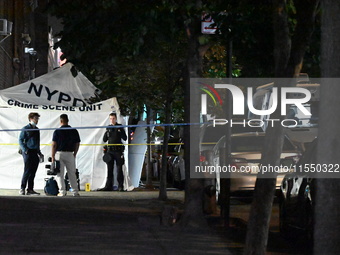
x: 61, y: 195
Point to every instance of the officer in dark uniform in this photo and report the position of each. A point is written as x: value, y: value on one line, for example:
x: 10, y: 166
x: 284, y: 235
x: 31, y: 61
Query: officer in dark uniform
x: 114, y: 153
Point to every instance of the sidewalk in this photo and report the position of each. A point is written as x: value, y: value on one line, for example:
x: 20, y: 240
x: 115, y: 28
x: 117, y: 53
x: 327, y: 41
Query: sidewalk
x: 99, y: 223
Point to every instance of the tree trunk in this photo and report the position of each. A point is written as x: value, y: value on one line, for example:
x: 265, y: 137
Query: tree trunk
x: 260, y: 212
x: 261, y: 208
x: 306, y: 12
x: 327, y: 209
x: 148, y: 152
x: 193, y: 209
x: 289, y: 52
x: 288, y: 62
x: 163, y: 181
x: 282, y: 39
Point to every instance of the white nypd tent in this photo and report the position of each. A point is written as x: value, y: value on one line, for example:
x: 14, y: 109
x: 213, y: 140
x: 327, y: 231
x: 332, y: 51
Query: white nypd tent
x: 63, y: 90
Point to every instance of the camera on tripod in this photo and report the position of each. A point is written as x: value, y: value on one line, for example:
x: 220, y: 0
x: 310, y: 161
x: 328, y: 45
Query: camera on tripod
x: 53, y: 168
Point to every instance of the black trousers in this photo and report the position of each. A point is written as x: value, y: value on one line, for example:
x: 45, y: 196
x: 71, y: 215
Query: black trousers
x: 116, y: 156
x: 31, y: 162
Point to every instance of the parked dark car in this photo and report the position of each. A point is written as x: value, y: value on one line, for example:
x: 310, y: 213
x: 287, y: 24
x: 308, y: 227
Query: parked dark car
x: 297, y: 200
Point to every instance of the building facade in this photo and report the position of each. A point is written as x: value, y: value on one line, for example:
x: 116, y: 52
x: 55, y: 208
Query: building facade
x: 27, y: 52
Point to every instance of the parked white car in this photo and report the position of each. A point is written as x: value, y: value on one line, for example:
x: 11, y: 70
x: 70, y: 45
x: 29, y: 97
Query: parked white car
x: 246, y: 151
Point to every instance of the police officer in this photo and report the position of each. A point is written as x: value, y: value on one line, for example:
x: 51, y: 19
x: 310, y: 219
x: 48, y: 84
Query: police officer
x: 114, y: 153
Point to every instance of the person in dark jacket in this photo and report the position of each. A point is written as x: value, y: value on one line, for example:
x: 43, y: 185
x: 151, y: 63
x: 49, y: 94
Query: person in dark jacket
x: 29, y: 141
x: 114, y: 153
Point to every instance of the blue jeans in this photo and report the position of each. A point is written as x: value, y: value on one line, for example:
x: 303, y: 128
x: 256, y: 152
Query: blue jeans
x: 31, y: 161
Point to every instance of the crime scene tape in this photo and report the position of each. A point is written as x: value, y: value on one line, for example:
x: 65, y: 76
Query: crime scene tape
x: 105, y: 144
x: 117, y: 126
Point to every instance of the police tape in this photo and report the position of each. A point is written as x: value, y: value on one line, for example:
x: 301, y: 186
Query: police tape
x: 105, y: 144
x: 115, y: 126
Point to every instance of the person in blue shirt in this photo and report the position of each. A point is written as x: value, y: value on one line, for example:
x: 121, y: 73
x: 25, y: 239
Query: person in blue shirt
x: 65, y: 146
x: 29, y: 141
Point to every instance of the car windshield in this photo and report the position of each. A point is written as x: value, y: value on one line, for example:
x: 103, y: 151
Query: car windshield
x: 213, y: 134
x: 254, y: 144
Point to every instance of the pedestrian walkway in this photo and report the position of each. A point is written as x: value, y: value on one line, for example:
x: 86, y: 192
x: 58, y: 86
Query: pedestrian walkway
x: 100, y: 223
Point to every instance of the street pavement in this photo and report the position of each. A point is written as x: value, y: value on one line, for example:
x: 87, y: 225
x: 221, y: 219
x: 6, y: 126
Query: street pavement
x: 103, y: 223
x: 123, y: 223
